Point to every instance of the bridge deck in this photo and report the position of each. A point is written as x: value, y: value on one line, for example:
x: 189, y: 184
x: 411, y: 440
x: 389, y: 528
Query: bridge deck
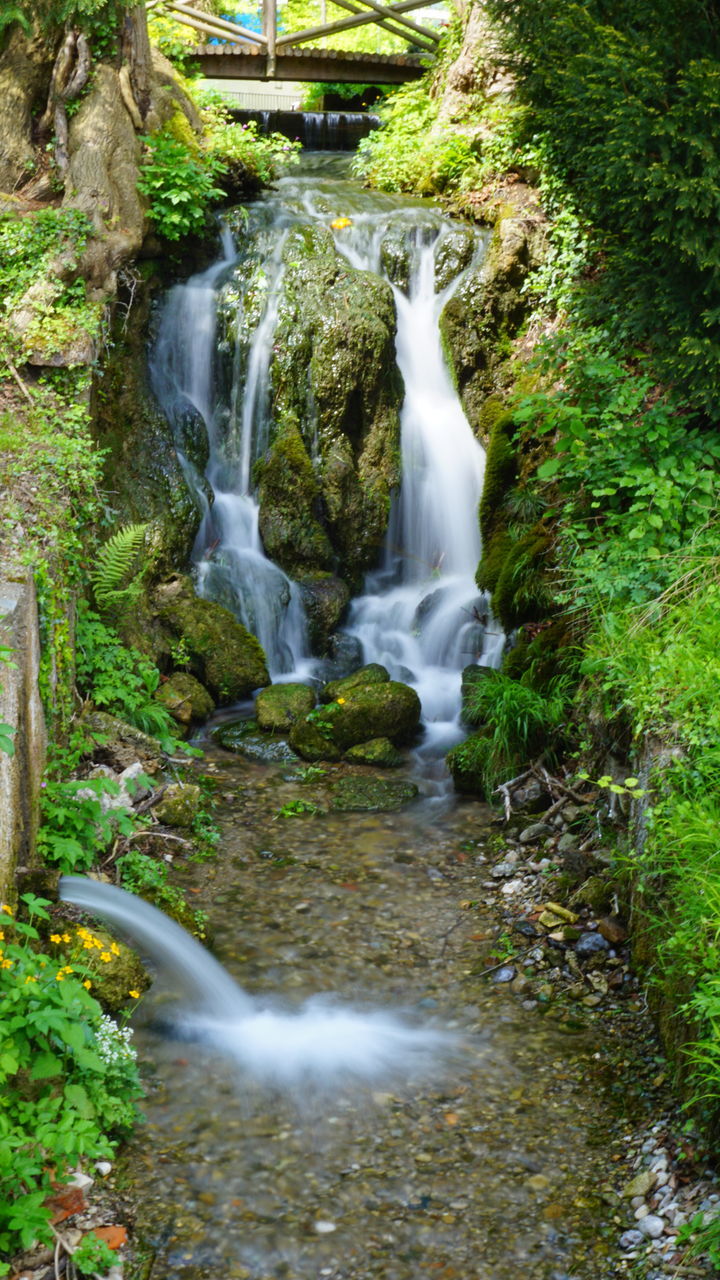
x: 251, y: 62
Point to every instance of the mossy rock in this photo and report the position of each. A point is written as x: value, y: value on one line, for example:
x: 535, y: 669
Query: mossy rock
x: 501, y: 465
x: 549, y: 650
x: 289, y: 496
x: 245, y: 739
x: 325, y: 599
x: 280, y: 705
x: 379, y: 752
x: 453, y: 254
x: 120, y: 744
x: 223, y: 654
x: 522, y: 592
x: 494, y: 554
x: 387, y: 710
x: 371, y: 673
x: 185, y: 698
x: 179, y: 805
x: 371, y: 795
x: 311, y: 743
x: 467, y: 763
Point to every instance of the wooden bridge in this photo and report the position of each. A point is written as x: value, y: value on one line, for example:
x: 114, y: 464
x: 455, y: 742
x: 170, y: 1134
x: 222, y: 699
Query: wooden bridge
x: 239, y: 54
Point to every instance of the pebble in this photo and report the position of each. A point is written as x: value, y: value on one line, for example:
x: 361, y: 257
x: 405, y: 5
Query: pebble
x: 506, y: 974
x: 537, y: 831
x: 651, y: 1226
x: 590, y: 943
x: 103, y: 1167
x: 631, y: 1239
x: 323, y: 1227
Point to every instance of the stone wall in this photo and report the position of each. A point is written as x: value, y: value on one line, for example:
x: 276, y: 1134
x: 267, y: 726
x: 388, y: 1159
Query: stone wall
x: 20, y: 706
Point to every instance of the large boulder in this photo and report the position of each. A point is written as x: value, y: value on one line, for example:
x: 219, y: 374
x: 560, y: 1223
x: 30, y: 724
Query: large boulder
x: 185, y: 698
x: 221, y: 651
x: 325, y: 599
x: 387, y: 710
x: 289, y: 498
x: 371, y: 673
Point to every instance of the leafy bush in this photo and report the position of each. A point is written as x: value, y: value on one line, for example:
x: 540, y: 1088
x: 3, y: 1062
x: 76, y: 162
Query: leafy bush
x: 179, y: 182
x: 68, y: 1074
x: 411, y: 152
x: 119, y: 680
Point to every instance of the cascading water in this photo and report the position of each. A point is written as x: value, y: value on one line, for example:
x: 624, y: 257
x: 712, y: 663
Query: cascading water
x: 323, y: 1044
x: 421, y: 614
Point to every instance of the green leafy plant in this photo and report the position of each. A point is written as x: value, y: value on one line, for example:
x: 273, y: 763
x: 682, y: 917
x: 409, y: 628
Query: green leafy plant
x: 180, y: 183
x: 299, y: 809
x: 93, y: 1256
x: 117, y: 574
x: 118, y: 679
x: 68, y: 1074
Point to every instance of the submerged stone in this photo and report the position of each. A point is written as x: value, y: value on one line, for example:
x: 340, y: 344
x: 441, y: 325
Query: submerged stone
x: 280, y: 705
x: 313, y: 741
x: 378, y: 751
x: 179, y: 805
x: 228, y: 735
x: 372, y: 795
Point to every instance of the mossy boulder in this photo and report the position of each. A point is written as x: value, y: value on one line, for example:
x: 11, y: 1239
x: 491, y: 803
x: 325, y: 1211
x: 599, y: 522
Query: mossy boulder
x: 119, y: 744
x: 325, y: 599
x: 280, y: 705
x: 492, y: 561
x: 371, y: 673
x: 371, y: 795
x: 312, y: 742
x: 453, y: 254
x: 467, y: 763
x: 112, y: 980
x: 221, y: 651
x: 379, y: 752
x: 334, y: 373
x: 185, y: 698
x: 289, y: 498
x: 179, y: 805
x: 522, y: 591
x: 363, y: 712
x: 501, y: 467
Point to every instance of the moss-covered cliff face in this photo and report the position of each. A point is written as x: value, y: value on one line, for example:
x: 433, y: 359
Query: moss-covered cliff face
x: 335, y: 369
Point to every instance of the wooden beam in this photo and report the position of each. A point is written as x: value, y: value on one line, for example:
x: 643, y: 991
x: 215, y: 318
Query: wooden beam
x: 246, y: 62
x: 345, y: 24
x: 270, y: 33
x: 384, y: 12
x: 208, y: 22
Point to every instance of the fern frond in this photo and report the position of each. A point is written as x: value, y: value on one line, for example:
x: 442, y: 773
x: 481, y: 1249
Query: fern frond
x: 118, y: 563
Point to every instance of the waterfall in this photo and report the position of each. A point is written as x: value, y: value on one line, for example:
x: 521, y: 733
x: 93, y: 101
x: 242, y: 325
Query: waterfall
x: 323, y: 1044
x: 420, y: 614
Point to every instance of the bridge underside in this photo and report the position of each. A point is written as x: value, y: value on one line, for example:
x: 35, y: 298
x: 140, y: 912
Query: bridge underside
x: 248, y: 62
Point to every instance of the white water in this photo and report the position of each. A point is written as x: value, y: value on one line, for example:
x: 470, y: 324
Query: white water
x: 421, y: 614
x: 323, y: 1044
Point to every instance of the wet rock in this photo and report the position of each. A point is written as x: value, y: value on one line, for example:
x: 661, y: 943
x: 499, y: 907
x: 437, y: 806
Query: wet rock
x: 372, y: 673
x: 289, y: 494
x: 325, y: 599
x: 280, y: 705
x: 260, y: 748
x: 379, y: 752
x: 222, y: 653
x: 120, y: 744
x: 363, y: 712
x: 651, y: 1226
x: 453, y: 254
x: 311, y: 741
x: 372, y: 795
x: 506, y: 974
x: 640, y: 1185
x: 590, y: 944
x: 179, y: 805
x: 535, y: 832
x: 568, y: 843
x: 185, y: 698
x: 502, y: 870
x: 631, y: 1239
x: 613, y: 930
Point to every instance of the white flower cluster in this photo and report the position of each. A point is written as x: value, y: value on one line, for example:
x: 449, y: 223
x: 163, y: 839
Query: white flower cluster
x: 113, y: 1042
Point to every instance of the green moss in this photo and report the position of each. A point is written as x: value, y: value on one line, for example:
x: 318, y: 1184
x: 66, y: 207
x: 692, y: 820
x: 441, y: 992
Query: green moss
x: 468, y: 764
x: 280, y: 705
x: 522, y: 593
x: 289, y: 505
x: 373, y: 673
x: 221, y: 652
x: 500, y: 467
x: 494, y: 555
x: 379, y: 752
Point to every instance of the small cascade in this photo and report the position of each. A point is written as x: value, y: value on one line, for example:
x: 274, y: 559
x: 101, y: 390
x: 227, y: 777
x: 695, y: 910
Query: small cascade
x: 323, y: 1044
x: 420, y: 614
x: 314, y: 130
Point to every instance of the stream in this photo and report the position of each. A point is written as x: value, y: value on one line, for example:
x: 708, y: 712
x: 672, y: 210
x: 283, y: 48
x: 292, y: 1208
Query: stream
x: 486, y: 1159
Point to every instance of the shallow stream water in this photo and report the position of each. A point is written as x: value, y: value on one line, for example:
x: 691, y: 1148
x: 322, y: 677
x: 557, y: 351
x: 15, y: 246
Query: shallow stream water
x: 491, y: 1167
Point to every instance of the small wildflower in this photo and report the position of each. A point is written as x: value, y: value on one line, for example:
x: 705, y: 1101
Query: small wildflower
x: 6, y: 964
x: 2, y: 935
x: 340, y: 702
x: 67, y: 968
x: 105, y: 955
x: 66, y: 937
x: 135, y: 994
x: 87, y: 983
x: 55, y: 937
x: 115, y: 948
x: 8, y: 910
x: 30, y: 978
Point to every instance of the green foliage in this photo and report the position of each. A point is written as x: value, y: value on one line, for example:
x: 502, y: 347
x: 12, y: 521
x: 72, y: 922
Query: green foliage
x: 623, y: 97
x: 315, y: 93
x: 180, y: 183
x: 93, y: 1256
x: 28, y: 246
x: 75, y: 826
x: 518, y: 722
x: 299, y: 809
x: 68, y: 1076
x: 117, y: 574
x: 119, y: 680
x: 412, y: 151
x: 254, y: 158
x: 146, y: 876
x: 638, y: 478
x: 7, y: 731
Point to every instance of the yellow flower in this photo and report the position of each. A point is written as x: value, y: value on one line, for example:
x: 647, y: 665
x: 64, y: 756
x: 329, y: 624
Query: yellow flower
x: 340, y: 701
x: 8, y: 910
x: 115, y: 948
x: 338, y: 223
x: 135, y: 994
x: 105, y: 955
x: 55, y: 937
x: 66, y: 937
x: 87, y: 984
x: 87, y: 945
x: 30, y: 978
x: 2, y: 934
x: 59, y: 976
x: 6, y: 964
x: 67, y: 968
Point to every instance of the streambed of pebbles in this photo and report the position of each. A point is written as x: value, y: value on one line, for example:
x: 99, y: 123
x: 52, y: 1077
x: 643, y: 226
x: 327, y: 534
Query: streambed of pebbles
x: 515, y: 1161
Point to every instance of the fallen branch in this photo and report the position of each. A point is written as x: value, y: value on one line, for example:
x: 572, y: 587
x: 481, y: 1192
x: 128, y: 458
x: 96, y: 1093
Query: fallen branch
x: 23, y: 387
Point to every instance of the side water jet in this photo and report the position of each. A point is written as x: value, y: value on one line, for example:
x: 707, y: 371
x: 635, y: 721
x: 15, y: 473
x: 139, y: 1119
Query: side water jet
x: 322, y: 1045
